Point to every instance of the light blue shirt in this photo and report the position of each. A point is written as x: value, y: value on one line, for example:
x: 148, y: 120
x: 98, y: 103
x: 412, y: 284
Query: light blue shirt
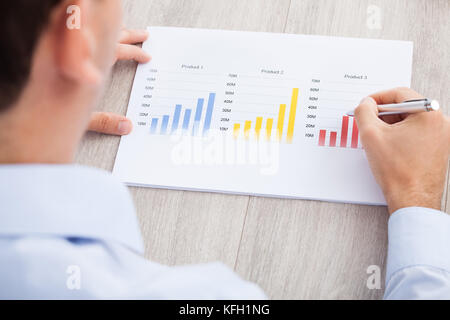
x: 69, y: 232
x: 418, y: 265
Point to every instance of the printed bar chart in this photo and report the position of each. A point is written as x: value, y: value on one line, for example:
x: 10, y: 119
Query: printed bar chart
x: 153, y: 125
x: 209, y: 113
x: 176, y: 118
x: 247, y: 127
x: 198, y: 116
x: 344, y: 132
x: 344, y: 135
x: 165, y: 124
x: 322, y: 136
x: 333, y: 137
x: 291, y: 91
x: 269, y: 123
x: 269, y: 129
x: 258, y: 127
x: 292, y: 114
x: 280, y: 124
x: 354, y: 135
x: 236, y: 129
x: 185, y: 118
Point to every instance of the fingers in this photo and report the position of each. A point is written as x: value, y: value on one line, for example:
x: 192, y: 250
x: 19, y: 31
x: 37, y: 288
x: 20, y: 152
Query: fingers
x: 133, y: 36
x: 110, y: 123
x: 396, y: 95
x: 127, y: 51
x: 130, y: 52
x: 391, y: 119
x: 366, y: 114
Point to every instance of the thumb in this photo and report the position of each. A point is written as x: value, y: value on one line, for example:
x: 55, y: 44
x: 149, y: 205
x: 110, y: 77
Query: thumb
x: 367, y: 113
x: 110, y: 123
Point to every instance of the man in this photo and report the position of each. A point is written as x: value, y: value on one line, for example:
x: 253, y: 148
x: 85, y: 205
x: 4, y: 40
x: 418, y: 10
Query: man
x: 60, y: 222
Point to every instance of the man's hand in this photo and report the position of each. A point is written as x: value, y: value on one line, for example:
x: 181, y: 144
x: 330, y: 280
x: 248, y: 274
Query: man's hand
x: 126, y: 49
x: 408, y: 154
x: 110, y: 123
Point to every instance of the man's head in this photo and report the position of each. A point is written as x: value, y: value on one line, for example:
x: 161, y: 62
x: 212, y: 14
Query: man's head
x: 53, y: 71
x: 22, y: 23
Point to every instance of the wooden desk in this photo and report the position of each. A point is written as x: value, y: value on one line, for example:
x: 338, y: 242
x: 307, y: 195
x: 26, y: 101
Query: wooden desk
x: 293, y: 249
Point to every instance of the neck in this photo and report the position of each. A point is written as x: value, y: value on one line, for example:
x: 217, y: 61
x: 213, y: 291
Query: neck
x: 42, y: 128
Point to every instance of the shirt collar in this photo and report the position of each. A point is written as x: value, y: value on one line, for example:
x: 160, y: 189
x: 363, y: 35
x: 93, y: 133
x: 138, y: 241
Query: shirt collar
x: 66, y: 201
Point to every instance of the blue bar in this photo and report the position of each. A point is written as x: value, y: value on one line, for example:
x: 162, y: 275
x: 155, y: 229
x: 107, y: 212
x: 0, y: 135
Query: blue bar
x: 154, y: 125
x: 176, y: 118
x: 198, y: 116
x: 165, y: 123
x: 187, y: 118
x: 209, y: 112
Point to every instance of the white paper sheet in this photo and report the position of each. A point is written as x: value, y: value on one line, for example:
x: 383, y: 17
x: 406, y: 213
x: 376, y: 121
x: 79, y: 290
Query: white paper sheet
x: 208, y: 113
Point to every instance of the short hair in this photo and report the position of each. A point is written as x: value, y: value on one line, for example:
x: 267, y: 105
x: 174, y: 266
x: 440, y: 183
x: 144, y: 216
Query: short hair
x: 21, y: 25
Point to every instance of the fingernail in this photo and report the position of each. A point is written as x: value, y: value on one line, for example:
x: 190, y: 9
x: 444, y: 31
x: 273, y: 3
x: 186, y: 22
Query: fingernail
x: 368, y: 100
x: 125, y: 127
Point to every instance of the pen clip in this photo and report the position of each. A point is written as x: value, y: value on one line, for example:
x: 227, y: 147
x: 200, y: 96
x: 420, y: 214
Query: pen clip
x: 416, y: 100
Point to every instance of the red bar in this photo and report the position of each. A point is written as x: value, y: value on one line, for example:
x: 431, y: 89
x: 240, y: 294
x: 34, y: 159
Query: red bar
x: 355, y: 135
x: 322, y: 136
x: 333, y: 136
x: 344, y: 132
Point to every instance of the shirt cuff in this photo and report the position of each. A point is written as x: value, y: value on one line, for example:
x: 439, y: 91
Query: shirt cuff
x: 418, y: 236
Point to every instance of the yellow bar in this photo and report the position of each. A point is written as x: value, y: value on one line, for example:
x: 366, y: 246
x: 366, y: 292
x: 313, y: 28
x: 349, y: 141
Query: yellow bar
x: 281, y: 121
x: 247, y: 127
x: 258, y: 126
x: 236, y: 129
x: 269, y: 129
x: 292, y: 113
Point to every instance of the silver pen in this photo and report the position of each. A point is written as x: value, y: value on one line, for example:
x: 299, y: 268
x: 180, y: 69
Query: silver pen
x: 410, y: 106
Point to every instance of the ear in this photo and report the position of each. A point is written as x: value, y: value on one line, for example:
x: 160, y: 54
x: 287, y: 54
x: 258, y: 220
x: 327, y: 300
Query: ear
x: 75, y: 43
